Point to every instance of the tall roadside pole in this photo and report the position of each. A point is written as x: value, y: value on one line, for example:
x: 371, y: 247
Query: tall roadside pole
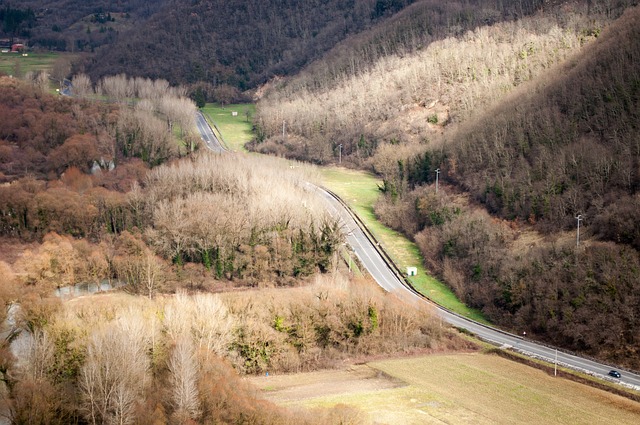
x: 437, y: 178
x: 579, y: 218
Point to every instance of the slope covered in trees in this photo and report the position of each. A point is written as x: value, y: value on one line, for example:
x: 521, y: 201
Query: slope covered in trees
x: 417, y: 83
x: 564, y: 146
x: 77, y: 25
x: 239, y: 43
x: 536, y: 120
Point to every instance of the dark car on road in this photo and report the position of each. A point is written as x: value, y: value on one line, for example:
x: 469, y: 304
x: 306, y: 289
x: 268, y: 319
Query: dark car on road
x: 614, y: 373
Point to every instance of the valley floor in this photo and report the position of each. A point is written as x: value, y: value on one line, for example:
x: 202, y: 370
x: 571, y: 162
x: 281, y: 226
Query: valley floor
x: 452, y: 388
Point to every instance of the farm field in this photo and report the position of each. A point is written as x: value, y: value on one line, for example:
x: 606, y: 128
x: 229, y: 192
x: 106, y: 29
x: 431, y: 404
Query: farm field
x: 17, y: 65
x: 453, y: 389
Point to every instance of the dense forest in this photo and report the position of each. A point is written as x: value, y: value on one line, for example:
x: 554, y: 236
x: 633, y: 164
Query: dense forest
x: 530, y: 123
x: 403, y: 83
x: 237, y: 44
x: 50, y: 145
x: 72, y: 25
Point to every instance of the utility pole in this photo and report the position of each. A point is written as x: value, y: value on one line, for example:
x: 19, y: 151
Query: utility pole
x: 437, y: 175
x: 340, y: 153
x: 579, y: 218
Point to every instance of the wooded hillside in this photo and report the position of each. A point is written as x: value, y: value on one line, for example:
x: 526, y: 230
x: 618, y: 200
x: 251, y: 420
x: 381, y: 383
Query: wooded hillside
x: 76, y: 25
x: 534, y: 120
x: 564, y: 146
x: 238, y: 43
x: 400, y: 84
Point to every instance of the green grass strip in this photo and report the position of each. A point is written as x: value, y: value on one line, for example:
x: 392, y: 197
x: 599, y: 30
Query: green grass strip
x: 236, y: 129
x: 360, y: 191
x: 350, y: 262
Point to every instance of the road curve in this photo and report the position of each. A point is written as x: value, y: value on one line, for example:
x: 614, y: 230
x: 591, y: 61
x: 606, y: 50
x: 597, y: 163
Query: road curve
x: 372, y: 256
x: 387, y: 275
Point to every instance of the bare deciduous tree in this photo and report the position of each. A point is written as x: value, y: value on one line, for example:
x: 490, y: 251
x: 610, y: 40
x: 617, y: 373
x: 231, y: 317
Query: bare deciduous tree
x: 183, y: 379
x: 82, y: 86
x: 115, y: 371
x: 202, y: 317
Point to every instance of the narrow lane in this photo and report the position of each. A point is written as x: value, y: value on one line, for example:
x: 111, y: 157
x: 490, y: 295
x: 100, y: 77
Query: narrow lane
x: 206, y: 133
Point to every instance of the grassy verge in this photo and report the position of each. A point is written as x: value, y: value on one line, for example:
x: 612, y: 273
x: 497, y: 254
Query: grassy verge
x: 360, y: 191
x: 350, y: 262
x: 236, y: 130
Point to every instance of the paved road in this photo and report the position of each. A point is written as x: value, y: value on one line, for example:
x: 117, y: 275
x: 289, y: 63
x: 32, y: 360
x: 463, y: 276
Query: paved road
x: 383, y: 272
x: 379, y: 267
x: 209, y: 139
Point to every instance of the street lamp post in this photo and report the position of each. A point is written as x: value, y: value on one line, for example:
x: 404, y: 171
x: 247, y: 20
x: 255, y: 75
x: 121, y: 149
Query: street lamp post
x: 579, y: 218
x: 437, y: 178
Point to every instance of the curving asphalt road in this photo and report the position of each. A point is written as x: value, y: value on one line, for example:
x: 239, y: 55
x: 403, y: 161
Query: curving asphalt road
x: 388, y: 277
x: 381, y: 269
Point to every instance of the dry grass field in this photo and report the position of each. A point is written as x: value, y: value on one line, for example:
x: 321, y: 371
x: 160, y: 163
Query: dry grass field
x: 452, y: 389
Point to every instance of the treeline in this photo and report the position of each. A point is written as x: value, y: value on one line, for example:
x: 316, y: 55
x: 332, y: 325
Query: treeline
x: 250, y: 219
x: 160, y: 112
x: 372, y: 94
x: 42, y: 135
x: 170, y: 360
